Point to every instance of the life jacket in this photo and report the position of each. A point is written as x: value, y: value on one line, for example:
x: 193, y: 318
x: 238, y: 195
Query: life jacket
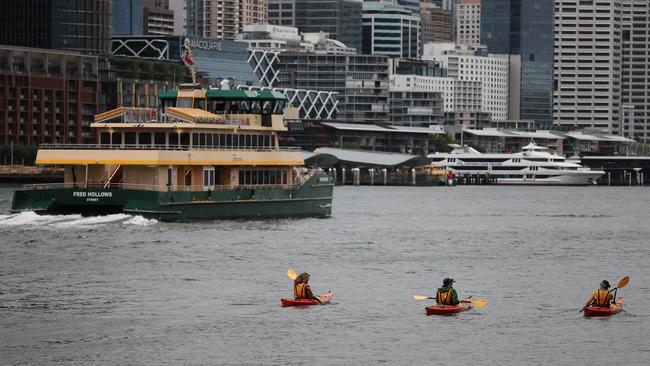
x: 300, y: 291
x: 602, y: 298
x: 444, y: 297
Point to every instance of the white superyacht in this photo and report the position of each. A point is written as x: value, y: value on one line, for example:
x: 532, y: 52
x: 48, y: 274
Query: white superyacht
x: 534, y: 165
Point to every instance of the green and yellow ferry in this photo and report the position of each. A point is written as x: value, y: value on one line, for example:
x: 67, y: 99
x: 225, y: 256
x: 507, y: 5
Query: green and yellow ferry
x: 200, y: 154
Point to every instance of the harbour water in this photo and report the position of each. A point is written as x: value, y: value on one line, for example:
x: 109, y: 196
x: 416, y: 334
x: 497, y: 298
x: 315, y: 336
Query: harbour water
x: 130, y: 291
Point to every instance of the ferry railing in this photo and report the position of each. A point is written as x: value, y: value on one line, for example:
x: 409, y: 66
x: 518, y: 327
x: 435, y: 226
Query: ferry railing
x: 160, y: 147
x: 146, y: 187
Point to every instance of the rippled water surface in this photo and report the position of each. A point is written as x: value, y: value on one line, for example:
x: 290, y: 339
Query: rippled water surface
x: 126, y: 290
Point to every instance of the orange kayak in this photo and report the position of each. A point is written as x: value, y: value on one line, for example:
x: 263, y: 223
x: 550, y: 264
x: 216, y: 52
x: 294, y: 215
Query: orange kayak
x: 448, y: 309
x: 604, y: 311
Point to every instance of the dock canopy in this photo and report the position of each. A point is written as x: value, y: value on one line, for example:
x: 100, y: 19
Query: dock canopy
x: 364, y: 158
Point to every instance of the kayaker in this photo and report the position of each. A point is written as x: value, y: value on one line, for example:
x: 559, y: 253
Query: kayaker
x: 446, y: 294
x: 601, y: 297
x: 301, y: 289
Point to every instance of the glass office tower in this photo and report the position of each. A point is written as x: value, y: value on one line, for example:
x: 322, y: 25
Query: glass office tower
x: 520, y: 27
x: 341, y: 19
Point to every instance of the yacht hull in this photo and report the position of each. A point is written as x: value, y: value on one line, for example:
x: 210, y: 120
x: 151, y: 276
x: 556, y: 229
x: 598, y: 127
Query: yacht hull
x: 312, y: 199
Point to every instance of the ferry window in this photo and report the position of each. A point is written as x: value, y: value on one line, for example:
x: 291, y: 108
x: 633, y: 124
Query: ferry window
x: 104, y: 138
x: 199, y: 103
x: 129, y: 138
x: 195, y: 139
x: 145, y: 138
x: 284, y: 177
x: 170, y: 174
x: 173, y: 139
x: 208, y: 140
x: 249, y: 141
x: 159, y: 138
x: 202, y: 139
x: 229, y: 140
x: 188, y: 177
x: 185, y: 139
x: 222, y: 140
x: 208, y: 177
x: 254, y: 141
x: 184, y: 102
x: 267, y: 108
x: 117, y: 139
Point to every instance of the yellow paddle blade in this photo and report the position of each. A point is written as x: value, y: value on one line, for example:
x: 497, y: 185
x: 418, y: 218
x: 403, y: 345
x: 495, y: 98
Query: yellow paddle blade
x: 479, y: 303
x: 292, y: 274
x: 420, y: 297
x: 623, y: 282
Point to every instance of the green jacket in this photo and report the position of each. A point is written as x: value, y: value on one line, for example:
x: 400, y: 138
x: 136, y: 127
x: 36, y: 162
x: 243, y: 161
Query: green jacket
x: 443, y: 298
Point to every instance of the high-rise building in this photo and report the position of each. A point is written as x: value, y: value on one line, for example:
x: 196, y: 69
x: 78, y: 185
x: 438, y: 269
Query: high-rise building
x: 223, y: 19
x: 179, y: 7
x: 390, y: 29
x: 435, y: 23
x: 587, y: 64
x: 282, y: 12
x: 77, y: 25
x: 252, y: 12
x: 341, y: 19
x: 46, y: 96
x: 468, y: 22
x: 158, y: 18
x: 635, y: 74
x: 128, y: 19
x: 525, y: 28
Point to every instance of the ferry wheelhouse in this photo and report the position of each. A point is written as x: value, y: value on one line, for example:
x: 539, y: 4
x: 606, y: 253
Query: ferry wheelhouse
x: 534, y: 165
x: 201, y: 154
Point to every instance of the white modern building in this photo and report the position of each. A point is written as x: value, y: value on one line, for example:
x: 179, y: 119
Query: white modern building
x: 587, y: 64
x: 468, y: 22
x: 466, y: 65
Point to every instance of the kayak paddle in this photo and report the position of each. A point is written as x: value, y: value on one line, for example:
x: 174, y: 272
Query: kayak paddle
x: 478, y: 303
x: 292, y: 274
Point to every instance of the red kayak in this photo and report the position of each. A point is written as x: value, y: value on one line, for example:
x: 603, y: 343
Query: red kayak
x: 448, y: 309
x: 604, y: 311
x: 307, y: 302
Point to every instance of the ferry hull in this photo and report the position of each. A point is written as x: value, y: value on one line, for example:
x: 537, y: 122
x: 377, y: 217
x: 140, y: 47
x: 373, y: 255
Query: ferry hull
x: 312, y: 199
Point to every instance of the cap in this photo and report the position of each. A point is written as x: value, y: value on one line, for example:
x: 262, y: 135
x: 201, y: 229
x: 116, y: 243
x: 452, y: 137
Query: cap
x: 605, y: 284
x: 448, y: 281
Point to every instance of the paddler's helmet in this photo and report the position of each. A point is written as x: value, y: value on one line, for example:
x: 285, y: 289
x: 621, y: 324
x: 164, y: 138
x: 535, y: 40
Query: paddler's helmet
x: 605, y: 284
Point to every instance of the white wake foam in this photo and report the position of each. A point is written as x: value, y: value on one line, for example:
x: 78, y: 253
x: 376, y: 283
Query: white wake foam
x: 30, y: 218
x: 140, y: 221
